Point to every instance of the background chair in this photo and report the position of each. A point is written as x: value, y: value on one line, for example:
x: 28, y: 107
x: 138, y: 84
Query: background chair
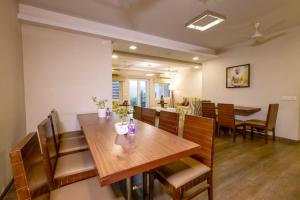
x: 226, y: 118
x: 66, y: 169
x: 31, y: 179
x: 169, y: 121
x: 268, y: 125
x: 184, y: 174
x: 137, y: 112
x: 65, y: 143
x: 209, y: 110
x: 148, y: 116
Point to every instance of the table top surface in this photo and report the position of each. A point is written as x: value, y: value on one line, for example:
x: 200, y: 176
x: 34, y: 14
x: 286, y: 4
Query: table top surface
x: 120, y: 156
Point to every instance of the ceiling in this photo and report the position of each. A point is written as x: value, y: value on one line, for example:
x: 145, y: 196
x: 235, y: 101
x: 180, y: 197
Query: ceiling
x: 166, y: 18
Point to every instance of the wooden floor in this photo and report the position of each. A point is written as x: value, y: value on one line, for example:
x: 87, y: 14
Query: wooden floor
x: 252, y: 170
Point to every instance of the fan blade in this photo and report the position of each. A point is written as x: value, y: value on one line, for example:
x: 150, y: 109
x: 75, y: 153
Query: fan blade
x: 257, y: 42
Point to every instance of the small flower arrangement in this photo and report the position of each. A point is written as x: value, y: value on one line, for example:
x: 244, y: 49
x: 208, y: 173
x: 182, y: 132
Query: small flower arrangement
x: 123, y: 113
x: 100, y: 103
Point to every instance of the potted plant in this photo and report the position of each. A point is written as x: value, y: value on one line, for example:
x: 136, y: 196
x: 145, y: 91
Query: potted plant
x: 121, y: 127
x: 101, y: 104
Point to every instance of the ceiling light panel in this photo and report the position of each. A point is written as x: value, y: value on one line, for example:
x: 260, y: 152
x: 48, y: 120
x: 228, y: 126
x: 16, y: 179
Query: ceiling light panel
x: 205, y: 21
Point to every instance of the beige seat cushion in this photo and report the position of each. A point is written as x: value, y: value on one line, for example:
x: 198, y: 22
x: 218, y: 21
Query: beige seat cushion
x: 72, y: 145
x: 182, y: 171
x: 255, y: 122
x: 73, y: 164
x: 239, y: 122
x: 71, y: 135
x: 85, y: 190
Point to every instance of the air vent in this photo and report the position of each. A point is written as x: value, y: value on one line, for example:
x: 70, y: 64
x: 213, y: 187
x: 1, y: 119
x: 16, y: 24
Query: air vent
x: 205, y: 21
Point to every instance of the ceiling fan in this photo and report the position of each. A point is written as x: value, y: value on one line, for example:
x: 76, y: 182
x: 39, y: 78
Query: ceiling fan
x: 259, y: 38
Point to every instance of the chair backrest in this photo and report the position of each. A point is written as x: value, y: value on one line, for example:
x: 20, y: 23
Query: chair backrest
x: 148, y: 116
x: 27, y: 167
x: 201, y: 131
x: 272, y: 115
x: 54, y: 124
x: 169, y: 121
x: 226, y: 116
x: 49, y: 150
x: 137, y: 112
x: 208, y: 110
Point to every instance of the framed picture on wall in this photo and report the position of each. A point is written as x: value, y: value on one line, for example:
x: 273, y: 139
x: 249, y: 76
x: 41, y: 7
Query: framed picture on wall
x: 238, y: 76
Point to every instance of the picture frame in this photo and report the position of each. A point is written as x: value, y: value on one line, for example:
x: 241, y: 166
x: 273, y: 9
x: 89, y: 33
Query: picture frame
x: 238, y: 76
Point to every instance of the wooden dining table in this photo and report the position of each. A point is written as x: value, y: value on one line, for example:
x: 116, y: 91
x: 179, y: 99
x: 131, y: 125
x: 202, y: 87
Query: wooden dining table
x: 119, y: 157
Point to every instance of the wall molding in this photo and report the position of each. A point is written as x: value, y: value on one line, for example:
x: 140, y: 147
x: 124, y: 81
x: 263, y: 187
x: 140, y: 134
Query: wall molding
x: 55, y: 19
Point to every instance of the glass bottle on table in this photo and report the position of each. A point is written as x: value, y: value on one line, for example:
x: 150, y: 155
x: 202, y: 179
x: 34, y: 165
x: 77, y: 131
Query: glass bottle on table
x: 131, y: 126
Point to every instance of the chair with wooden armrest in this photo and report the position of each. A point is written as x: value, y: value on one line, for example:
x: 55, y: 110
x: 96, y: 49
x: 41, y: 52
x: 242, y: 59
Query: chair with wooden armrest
x: 266, y: 125
x: 226, y: 118
x: 149, y: 116
x: 66, y: 169
x: 31, y: 180
x: 137, y: 112
x: 169, y: 121
x: 68, y: 142
x: 186, y: 174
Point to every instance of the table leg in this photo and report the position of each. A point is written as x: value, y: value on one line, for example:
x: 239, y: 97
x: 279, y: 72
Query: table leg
x: 129, y: 188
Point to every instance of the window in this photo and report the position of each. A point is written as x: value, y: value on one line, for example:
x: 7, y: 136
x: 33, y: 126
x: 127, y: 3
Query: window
x: 162, y: 89
x: 116, y: 90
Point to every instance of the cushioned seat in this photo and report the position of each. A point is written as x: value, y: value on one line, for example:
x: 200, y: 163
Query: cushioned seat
x: 239, y: 122
x: 87, y: 189
x: 72, y: 145
x: 182, y: 171
x: 256, y: 122
x: 75, y: 163
x: 71, y: 135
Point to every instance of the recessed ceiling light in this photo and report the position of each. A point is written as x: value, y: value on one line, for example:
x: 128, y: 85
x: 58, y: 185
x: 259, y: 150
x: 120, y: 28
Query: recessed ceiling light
x: 132, y: 47
x: 196, y: 67
x: 196, y: 58
x: 205, y: 21
x: 149, y: 74
x: 114, y: 56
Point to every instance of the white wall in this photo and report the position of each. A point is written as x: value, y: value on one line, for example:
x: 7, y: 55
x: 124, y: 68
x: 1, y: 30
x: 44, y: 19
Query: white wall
x: 63, y: 70
x: 12, y: 107
x: 188, y: 83
x: 275, y: 70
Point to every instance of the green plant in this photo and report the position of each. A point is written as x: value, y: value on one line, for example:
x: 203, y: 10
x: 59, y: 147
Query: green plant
x: 122, y: 112
x: 100, y: 103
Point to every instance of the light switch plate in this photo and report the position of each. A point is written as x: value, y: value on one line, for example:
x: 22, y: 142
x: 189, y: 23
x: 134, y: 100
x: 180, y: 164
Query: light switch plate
x: 289, y: 98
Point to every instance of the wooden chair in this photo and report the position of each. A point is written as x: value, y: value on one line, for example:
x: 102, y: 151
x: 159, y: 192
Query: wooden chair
x: 137, y: 112
x: 63, y: 170
x: 187, y: 173
x: 209, y: 110
x: 169, y: 121
x: 226, y: 118
x: 148, y: 116
x: 267, y: 125
x: 68, y: 142
x: 64, y: 135
x: 31, y: 180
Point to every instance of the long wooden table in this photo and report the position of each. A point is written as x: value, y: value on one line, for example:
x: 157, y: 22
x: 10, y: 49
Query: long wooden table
x: 118, y: 157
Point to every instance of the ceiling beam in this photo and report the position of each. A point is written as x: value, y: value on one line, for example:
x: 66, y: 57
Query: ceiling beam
x: 58, y: 20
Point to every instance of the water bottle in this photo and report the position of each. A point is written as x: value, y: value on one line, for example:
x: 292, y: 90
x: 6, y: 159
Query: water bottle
x: 131, y: 127
x: 107, y: 113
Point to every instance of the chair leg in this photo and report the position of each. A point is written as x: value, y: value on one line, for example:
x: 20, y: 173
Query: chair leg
x: 218, y: 131
x: 274, y: 138
x: 210, y: 189
x: 176, y: 195
x: 251, y: 133
x: 244, y: 132
x: 266, y: 136
x: 234, y: 134
x: 151, y: 185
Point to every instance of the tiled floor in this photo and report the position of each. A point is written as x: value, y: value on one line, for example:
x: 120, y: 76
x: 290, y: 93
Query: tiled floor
x: 251, y: 170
